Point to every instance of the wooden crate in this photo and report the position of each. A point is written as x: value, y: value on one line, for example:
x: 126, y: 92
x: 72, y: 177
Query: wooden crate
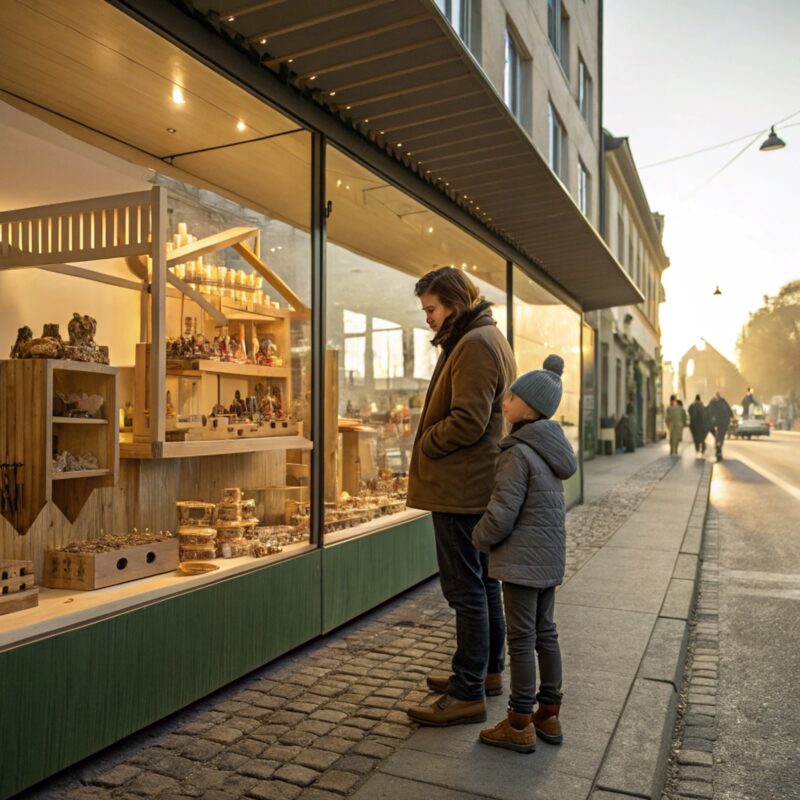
x: 16, y: 576
x: 19, y: 601
x: 86, y: 571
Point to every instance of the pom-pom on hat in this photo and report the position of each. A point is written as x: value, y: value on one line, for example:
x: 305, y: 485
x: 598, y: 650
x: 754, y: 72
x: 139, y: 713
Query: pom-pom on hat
x: 541, y: 389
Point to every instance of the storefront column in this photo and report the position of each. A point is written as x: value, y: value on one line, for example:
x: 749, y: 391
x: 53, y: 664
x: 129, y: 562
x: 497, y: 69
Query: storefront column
x: 510, y: 303
x: 319, y: 214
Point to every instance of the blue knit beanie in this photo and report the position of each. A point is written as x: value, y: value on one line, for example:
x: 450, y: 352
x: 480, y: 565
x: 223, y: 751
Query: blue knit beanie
x: 541, y: 389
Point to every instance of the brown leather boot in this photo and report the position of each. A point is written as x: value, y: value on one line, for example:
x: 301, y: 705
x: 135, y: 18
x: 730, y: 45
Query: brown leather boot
x: 545, y: 720
x: 440, y: 681
x: 516, y: 732
x: 448, y: 710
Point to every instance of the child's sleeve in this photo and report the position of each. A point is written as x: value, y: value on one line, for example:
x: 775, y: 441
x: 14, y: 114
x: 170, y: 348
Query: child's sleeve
x: 508, y: 496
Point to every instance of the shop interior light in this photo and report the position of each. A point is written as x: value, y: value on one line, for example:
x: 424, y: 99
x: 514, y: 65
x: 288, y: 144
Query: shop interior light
x: 263, y: 41
x: 366, y: 120
x: 399, y: 144
x: 312, y: 78
x: 177, y: 96
x: 430, y: 228
x: 339, y: 183
x: 240, y: 126
x: 231, y: 19
x: 171, y: 130
x: 347, y: 108
x: 290, y: 61
x: 333, y: 94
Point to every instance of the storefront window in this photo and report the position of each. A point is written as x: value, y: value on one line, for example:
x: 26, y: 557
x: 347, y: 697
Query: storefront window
x: 544, y: 325
x: 379, y: 357
x: 221, y: 476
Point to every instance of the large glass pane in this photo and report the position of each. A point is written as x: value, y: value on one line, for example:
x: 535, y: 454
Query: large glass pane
x: 544, y: 325
x: 379, y: 358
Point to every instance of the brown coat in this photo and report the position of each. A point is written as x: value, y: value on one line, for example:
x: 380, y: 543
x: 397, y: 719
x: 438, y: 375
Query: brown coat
x: 457, y: 441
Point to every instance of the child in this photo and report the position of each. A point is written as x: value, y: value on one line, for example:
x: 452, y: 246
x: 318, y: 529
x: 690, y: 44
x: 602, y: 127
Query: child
x: 523, y: 530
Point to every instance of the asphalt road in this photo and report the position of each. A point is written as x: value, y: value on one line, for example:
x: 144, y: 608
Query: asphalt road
x: 758, y: 700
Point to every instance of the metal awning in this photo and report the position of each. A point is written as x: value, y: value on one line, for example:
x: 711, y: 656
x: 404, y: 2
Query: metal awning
x: 396, y: 72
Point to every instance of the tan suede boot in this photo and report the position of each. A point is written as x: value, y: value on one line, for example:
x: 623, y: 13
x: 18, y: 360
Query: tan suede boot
x: 448, y: 710
x: 440, y: 681
x: 516, y: 732
x: 545, y: 720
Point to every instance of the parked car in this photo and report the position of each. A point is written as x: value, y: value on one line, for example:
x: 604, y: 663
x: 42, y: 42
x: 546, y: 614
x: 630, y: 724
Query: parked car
x: 755, y: 425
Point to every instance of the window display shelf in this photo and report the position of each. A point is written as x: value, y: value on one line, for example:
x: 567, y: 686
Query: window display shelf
x: 61, y: 609
x: 373, y: 526
x: 78, y: 473
x: 78, y: 421
x: 130, y: 449
x: 229, y: 368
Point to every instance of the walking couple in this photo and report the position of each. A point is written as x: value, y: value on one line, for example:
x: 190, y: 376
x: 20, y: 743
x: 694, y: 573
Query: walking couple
x: 498, y: 515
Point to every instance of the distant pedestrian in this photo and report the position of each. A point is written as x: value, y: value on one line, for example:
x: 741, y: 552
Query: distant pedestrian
x: 523, y: 532
x: 748, y: 401
x: 719, y: 418
x: 698, y: 424
x: 676, y: 421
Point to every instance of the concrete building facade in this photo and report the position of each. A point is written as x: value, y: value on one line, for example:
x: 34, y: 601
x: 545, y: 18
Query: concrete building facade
x: 629, y: 362
x: 543, y: 58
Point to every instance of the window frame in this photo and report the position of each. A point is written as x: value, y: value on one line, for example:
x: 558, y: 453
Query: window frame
x: 585, y: 90
x: 556, y: 144
x: 558, y: 33
x: 513, y: 75
x: 584, y: 186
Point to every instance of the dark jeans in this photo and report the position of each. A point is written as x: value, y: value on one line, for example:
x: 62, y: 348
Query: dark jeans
x: 531, y: 633
x: 719, y: 439
x: 475, y: 597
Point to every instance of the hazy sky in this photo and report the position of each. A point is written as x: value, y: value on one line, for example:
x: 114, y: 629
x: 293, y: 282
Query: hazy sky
x: 681, y: 75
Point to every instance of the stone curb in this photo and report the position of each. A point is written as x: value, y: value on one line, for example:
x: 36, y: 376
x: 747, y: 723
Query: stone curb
x: 636, y: 758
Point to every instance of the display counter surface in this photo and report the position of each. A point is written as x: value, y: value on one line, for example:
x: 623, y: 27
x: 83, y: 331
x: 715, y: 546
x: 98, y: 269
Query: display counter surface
x: 60, y: 610
x: 373, y: 526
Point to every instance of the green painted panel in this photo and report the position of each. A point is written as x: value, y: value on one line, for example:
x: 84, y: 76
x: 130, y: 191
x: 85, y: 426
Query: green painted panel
x: 362, y: 573
x: 66, y: 697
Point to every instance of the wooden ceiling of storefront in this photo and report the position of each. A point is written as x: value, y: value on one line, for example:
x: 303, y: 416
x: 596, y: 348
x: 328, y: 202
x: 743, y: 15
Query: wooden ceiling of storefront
x: 396, y: 71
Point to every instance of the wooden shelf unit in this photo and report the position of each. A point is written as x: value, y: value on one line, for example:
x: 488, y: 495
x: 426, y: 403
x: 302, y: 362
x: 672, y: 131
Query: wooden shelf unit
x: 30, y: 433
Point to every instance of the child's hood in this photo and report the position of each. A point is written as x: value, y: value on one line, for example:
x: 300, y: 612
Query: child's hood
x: 547, y: 439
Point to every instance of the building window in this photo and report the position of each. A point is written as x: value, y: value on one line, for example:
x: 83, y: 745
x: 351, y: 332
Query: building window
x: 459, y: 15
x: 584, y: 92
x: 583, y: 188
x: 620, y: 239
x: 558, y: 32
x: 632, y: 263
x: 513, y: 76
x: 558, y: 143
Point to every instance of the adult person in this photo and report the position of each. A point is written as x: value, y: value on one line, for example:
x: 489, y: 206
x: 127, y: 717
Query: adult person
x: 748, y: 401
x: 698, y: 424
x: 719, y: 418
x: 676, y: 420
x: 451, y: 475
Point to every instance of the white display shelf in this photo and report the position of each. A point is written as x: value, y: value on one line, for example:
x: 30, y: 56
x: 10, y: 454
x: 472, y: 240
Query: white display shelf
x: 78, y: 473
x: 254, y: 444
x: 60, y: 610
x: 373, y: 526
x: 78, y: 421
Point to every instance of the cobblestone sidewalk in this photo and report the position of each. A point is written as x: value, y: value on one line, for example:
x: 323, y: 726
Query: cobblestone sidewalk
x: 316, y: 723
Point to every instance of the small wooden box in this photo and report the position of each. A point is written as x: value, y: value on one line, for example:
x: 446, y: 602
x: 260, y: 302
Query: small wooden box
x: 19, y: 601
x: 18, y: 589
x: 96, y: 570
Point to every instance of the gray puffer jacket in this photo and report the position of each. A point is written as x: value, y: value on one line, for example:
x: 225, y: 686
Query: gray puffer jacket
x: 523, y: 526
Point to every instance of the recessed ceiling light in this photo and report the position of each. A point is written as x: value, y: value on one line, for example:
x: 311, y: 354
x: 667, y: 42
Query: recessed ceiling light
x: 348, y: 107
x: 333, y: 94
x: 290, y: 61
x: 399, y: 144
x: 171, y: 130
x: 312, y: 78
x: 177, y: 96
x: 263, y: 41
x: 240, y: 126
x: 366, y: 120
x: 231, y: 19
x: 381, y: 133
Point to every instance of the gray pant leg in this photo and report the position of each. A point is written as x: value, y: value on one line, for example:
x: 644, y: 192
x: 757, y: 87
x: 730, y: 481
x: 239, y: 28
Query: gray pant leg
x: 547, y: 648
x: 531, y: 631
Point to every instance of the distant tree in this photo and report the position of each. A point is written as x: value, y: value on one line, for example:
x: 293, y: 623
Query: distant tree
x: 769, y: 345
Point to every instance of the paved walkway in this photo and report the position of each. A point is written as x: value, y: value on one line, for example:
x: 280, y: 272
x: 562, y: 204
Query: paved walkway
x: 329, y: 719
